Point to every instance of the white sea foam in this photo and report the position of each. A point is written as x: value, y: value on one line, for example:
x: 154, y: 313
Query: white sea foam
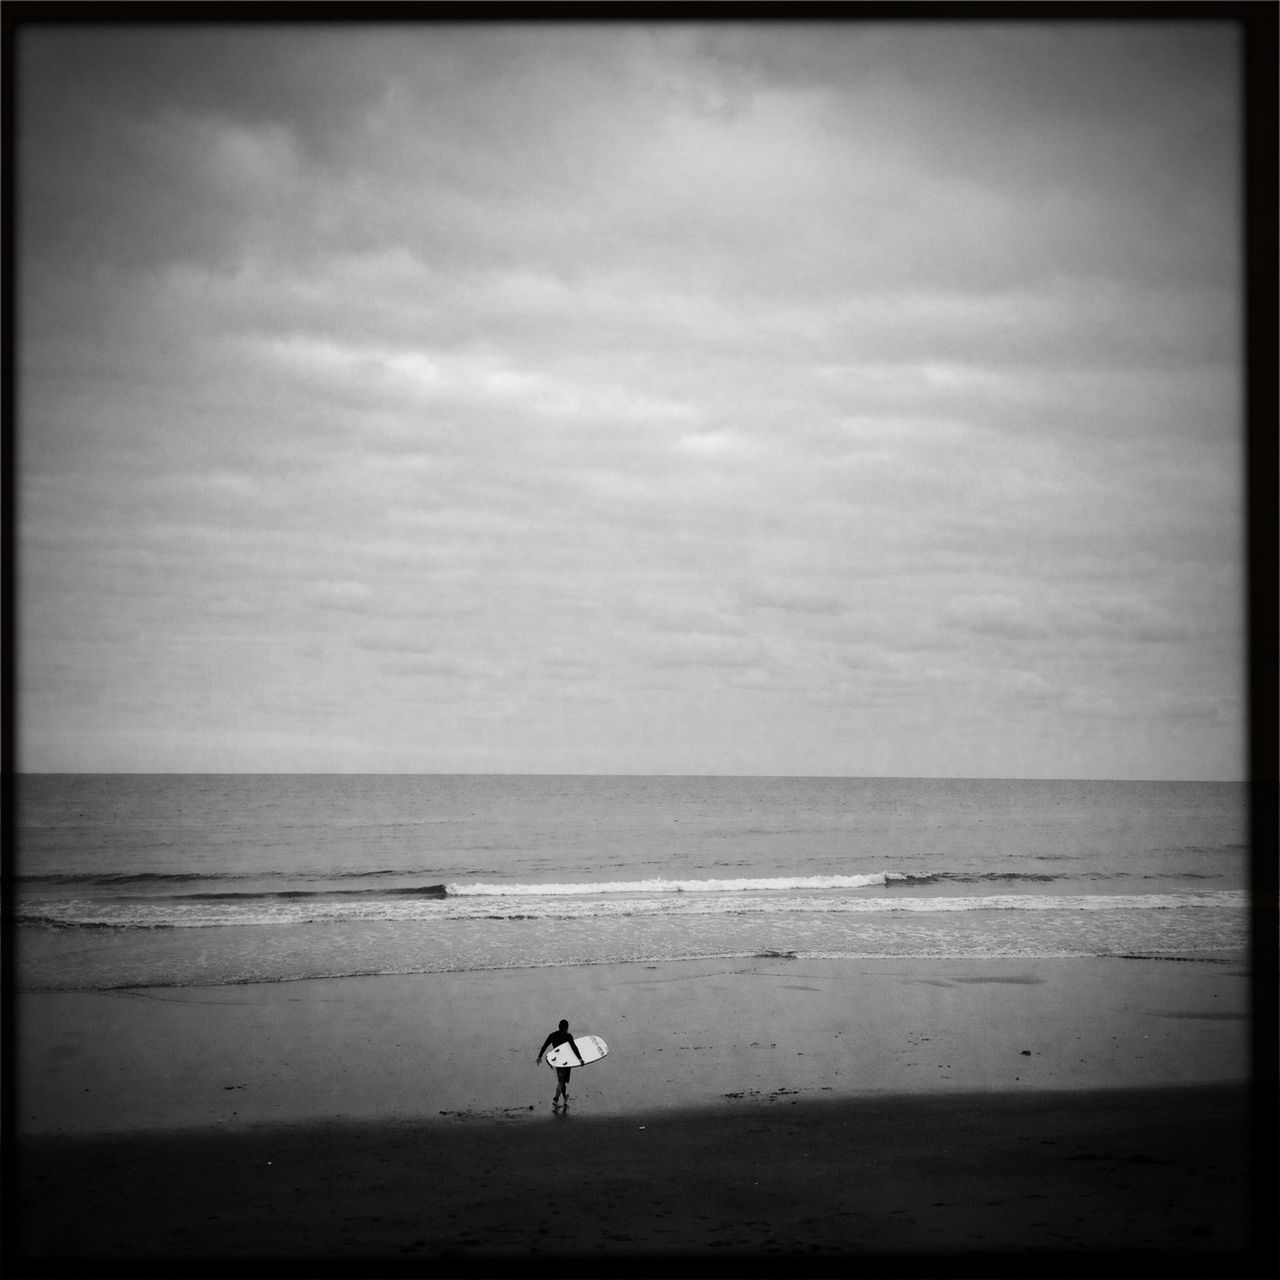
x: 537, y: 904
x: 464, y: 889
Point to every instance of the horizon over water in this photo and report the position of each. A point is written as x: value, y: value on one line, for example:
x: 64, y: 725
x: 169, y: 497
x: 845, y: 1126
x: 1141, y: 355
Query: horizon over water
x: 132, y: 879
x: 562, y: 773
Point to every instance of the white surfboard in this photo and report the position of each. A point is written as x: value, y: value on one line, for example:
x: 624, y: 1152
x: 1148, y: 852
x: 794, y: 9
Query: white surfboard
x: 592, y: 1049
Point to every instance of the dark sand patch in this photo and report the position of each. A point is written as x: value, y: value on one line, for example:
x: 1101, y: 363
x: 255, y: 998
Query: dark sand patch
x: 1018, y: 980
x: 1032, y: 1183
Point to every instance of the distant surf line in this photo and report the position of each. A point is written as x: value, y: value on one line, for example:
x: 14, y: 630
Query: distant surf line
x: 214, y: 912
x: 374, y: 884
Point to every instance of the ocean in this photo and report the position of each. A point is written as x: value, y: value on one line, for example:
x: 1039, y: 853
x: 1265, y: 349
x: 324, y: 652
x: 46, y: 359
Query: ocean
x: 127, y: 880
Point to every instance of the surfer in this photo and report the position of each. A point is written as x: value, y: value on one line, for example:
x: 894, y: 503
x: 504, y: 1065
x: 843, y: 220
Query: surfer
x: 558, y: 1037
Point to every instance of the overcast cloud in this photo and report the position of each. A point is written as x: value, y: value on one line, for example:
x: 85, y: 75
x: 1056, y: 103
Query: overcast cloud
x: 861, y: 399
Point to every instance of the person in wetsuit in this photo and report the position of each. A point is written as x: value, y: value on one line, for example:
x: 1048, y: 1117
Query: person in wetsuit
x: 558, y: 1037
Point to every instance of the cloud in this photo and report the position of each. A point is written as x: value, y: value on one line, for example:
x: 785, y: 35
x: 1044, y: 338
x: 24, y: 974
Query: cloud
x: 791, y: 597
x: 683, y: 372
x: 356, y: 597
x: 1000, y: 617
x: 697, y: 648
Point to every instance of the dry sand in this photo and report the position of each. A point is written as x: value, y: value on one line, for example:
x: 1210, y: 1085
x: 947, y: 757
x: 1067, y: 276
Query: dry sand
x: 892, y: 1110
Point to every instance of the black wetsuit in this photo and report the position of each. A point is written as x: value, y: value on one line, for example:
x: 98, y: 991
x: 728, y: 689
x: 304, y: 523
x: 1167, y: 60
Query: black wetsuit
x: 559, y: 1037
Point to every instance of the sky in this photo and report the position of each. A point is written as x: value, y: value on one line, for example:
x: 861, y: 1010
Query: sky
x: 728, y: 398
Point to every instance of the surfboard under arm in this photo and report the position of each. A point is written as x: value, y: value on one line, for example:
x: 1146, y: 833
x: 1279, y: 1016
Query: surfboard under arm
x: 592, y: 1048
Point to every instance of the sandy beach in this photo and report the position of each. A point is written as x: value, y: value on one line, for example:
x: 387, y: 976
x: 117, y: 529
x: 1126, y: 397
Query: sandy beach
x: 892, y: 1110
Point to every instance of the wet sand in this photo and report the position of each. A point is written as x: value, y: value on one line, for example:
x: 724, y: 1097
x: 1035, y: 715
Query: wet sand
x: 765, y: 1111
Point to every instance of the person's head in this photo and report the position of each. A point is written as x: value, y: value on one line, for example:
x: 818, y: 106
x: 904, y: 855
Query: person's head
x: 564, y: 1024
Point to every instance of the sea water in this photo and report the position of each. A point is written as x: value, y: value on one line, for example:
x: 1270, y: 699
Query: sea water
x: 130, y: 880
